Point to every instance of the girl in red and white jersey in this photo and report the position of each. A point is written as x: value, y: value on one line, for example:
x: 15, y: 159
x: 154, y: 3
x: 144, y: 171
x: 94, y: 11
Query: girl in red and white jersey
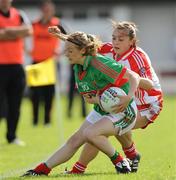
x: 124, y: 50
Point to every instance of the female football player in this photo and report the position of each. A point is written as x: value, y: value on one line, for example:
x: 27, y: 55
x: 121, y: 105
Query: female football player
x: 93, y: 74
x: 125, y: 51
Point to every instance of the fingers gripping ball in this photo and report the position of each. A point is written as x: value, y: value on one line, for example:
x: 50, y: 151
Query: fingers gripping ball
x: 110, y: 97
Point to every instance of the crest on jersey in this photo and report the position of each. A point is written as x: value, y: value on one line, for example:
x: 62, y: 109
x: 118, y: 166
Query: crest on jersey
x: 142, y: 71
x: 84, y: 86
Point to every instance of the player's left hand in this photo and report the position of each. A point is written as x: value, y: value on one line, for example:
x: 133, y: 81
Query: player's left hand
x: 124, y: 102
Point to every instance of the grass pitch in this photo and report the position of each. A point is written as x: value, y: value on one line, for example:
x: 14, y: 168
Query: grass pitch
x: 157, y: 145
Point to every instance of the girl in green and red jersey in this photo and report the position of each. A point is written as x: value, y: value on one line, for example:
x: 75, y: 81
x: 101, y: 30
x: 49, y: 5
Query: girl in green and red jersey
x: 93, y: 74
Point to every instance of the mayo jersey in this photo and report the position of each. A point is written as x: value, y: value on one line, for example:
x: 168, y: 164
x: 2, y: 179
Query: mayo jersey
x: 98, y: 73
x: 138, y: 61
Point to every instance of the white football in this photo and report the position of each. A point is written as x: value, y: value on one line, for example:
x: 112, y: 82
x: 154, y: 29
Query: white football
x: 110, y: 97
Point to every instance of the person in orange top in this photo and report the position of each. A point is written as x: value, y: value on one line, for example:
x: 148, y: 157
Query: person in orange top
x: 14, y: 26
x: 44, y: 46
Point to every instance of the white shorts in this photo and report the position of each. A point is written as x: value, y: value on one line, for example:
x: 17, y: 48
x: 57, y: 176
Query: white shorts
x: 124, y: 121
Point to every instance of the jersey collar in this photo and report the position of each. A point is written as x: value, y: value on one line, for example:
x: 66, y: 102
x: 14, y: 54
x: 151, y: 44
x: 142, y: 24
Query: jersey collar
x: 126, y: 54
x: 87, y: 61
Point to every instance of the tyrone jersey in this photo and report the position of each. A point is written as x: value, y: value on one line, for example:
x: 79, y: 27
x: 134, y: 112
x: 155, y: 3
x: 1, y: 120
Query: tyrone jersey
x: 138, y: 61
x: 98, y: 73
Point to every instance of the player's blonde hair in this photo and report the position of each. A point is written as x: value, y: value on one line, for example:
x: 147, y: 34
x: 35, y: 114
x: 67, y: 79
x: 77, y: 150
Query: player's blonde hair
x: 129, y: 28
x: 88, y: 41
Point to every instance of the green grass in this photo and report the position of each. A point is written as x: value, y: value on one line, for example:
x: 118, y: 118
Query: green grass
x: 157, y: 145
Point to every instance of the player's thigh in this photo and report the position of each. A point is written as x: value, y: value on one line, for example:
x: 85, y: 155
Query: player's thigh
x: 103, y: 127
x: 84, y: 125
x: 141, y: 121
x: 78, y: 137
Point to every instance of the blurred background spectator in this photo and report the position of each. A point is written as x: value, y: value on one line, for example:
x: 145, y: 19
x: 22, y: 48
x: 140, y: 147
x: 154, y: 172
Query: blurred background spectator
x: 44, y: 46
x: 3, y: 109
x: 14, y: 26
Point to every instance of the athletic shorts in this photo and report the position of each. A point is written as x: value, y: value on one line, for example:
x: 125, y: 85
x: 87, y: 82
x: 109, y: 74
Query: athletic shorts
x: 124, y: 121
x: 151, y: 111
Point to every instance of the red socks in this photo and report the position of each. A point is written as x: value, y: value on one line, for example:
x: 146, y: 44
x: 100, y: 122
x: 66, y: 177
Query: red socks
x: 130, y: 152
x: 116, y: 158
x: 42, y: 168
x: 78, y: 168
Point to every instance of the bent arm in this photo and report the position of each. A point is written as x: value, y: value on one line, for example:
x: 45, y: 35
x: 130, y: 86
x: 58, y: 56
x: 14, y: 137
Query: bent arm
x: 21, y: 31
x: 134, y: 80
x: 4, y: 35
x: 26, y: 28
x: 13, y: 33
x: 55, y: 31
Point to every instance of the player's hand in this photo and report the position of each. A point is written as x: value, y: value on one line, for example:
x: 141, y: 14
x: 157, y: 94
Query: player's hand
x: 54, y: 30
x: 92, y: 98
x: 124, y: 102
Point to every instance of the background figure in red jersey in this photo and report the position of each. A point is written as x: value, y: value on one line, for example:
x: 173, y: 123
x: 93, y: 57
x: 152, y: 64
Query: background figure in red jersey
x: 14, y: 27
x: 44, y: 47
